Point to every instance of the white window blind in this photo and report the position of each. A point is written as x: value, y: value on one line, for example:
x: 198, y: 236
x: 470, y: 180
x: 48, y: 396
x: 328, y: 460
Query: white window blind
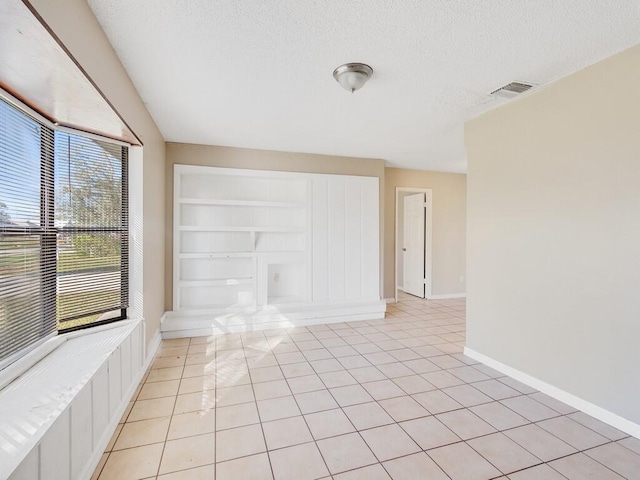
x: 63, y: 231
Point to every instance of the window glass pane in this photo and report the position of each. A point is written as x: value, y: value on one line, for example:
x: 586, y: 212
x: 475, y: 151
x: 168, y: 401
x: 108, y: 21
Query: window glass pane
x: 22, y: 299
x: 63, y: 231
x: 89, y: 277
x: 19, y: 169
x: 88, y: 182
x: 91, y: 230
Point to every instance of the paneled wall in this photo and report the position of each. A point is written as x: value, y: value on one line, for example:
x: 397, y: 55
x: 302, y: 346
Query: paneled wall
x: 57, y: 419
x: 345, y: 238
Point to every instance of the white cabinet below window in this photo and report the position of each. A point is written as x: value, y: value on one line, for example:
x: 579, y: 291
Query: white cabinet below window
x: 262, y: 249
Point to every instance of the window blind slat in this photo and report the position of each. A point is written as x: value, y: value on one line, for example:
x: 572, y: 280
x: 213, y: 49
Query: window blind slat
x: 63, y: 231
x: 92, y: 231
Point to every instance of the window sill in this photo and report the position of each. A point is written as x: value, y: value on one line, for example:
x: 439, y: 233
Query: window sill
x: 61, y: 400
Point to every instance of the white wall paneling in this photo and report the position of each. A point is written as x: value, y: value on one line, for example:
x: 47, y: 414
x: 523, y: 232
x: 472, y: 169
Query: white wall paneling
x: 370, y: 246
x: 55, y: 452
x: 337, y: 244
x: 353, y: 237
x: 58, y: 417
x: 320, y: 239
x: 254, y: 249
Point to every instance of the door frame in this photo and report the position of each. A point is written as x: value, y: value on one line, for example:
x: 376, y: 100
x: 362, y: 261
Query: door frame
x: 427, y: 238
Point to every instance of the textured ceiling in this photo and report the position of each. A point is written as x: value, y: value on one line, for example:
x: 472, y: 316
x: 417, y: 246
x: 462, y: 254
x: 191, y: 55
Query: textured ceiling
x: 258, y: 74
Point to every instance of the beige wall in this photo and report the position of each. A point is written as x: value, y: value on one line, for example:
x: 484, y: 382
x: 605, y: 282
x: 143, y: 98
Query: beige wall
x: 74, y: 24
x: 213, y: 156
x: 554, y: 234
x: 448, y: 230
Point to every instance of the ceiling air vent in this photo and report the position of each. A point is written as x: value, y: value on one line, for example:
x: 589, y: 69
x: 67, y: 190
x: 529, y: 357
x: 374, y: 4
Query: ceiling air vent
x: 511, y: 89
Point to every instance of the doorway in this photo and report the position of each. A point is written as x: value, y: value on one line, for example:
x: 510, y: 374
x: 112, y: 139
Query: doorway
x: 413, y: 264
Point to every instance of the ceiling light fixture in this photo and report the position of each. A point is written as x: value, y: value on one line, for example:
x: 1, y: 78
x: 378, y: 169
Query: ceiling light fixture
x: 352, y: 76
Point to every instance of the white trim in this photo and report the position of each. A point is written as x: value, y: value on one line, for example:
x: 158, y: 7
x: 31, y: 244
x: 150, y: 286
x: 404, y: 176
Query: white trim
x: 56, y: 126
x: 182, y: 324
x: 447, y: 296
x: 100, y: 328
x: 47, y: 346
x: 93, y: 462
x: 428, y: 240
x: 154, y: 345
x: 15, y: 364
x: 587, y: 407
x: 390, y: 300
x: 234, y: 171
x: 194, y: 329
x: 25, y: 361
x: 178, y: 170
x: 136, y: 233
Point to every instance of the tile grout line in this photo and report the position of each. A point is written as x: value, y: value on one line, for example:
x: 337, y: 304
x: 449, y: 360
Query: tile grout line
x: 315, y: 442
x: 356, y: 430
x: 386, y: 335
x: 264, y: 437
x: 166, y: 437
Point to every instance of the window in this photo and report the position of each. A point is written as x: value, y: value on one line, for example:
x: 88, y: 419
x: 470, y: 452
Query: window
x: 63, y: 231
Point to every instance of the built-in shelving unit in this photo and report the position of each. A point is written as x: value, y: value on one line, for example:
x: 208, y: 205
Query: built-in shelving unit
x: 254, y: 249
x: 231, y: 229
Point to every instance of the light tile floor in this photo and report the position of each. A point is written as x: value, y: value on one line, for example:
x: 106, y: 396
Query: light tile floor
x: 392, y: 398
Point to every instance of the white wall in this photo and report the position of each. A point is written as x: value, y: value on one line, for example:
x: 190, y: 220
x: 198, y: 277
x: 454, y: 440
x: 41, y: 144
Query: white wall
x: 554, y: 234
x: 345, y: 239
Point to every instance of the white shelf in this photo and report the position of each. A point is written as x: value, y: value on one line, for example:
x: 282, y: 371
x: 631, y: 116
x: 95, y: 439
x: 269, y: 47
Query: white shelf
x: 256, y: 220
x: 316, y: 257
x: 226, y: 282
x: 194, y: 256
x: 241, y: 229
x: 189, y: 256
x: 239, y: 203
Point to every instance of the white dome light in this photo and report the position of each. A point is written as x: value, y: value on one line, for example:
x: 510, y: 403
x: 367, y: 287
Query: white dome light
x: 352, y: 76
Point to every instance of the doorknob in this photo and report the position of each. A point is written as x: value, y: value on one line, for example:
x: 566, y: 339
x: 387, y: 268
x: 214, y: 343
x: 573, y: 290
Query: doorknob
x: 404, y: 249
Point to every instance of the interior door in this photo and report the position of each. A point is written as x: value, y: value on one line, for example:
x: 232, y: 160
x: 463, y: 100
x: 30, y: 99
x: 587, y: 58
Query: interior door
x: 413, y: 248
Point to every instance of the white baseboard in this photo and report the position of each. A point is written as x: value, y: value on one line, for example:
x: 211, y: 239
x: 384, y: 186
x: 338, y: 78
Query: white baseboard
x: 154, y: 345
x: 188, y: 324
x: 576, y: 402
x: 447, y: 296
x: 390, y: 300
x: 183, y: 330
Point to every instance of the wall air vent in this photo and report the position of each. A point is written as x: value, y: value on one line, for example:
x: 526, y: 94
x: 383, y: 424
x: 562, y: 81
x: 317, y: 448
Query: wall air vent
x: 511, y: 89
